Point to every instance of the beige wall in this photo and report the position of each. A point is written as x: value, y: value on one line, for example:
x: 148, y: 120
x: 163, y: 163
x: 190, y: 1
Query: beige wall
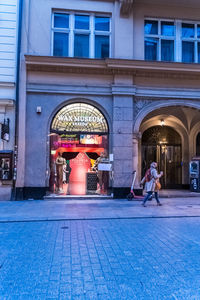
x: 39, y: 31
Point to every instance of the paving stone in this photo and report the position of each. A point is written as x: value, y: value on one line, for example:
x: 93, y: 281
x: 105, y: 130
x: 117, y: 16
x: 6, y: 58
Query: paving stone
x: 149, y: 258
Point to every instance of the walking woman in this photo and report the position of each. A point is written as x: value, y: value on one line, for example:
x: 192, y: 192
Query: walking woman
x: 153, y: 184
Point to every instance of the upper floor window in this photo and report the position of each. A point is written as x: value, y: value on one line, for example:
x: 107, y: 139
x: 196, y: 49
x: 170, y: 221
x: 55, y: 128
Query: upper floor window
x: 172, y: 41
x: 190, y: 42
x: 80, y: 35
x: 159, y: 40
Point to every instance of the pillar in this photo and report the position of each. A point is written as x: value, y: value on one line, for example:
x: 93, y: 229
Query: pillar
x: 122, y: 135
x: 136, y: 158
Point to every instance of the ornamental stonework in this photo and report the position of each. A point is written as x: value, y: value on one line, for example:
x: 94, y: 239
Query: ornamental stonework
x: 139, y: 104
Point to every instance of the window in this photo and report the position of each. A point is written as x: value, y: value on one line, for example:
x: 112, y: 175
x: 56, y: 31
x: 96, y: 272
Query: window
x: 190, y: 43
x: 175, y: 40
x: 81, y: 35
x: 159, y: 40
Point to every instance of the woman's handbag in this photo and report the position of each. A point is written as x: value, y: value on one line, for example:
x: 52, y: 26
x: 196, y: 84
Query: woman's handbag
x: 157, y: 186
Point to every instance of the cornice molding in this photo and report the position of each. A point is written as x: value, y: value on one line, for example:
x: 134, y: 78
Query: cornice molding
x: 36, y: 88
x: 7, y: 84
x: 110, y: 66
x: 6, y: 102
x: 126, y: 7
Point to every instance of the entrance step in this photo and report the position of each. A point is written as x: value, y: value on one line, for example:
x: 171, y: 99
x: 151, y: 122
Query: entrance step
x: 77, y: 197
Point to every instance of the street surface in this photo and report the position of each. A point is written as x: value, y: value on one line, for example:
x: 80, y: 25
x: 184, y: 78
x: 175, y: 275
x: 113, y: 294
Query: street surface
x: 121, y: 251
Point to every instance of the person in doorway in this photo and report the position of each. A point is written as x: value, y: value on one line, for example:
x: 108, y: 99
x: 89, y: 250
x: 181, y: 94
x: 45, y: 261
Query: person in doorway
x: 66, y: 173
x: 151, y: 184
x: 60, y: 162
x: 102, y: 175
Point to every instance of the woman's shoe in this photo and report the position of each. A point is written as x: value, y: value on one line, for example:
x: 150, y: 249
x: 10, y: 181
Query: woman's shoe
x: 159, y: 204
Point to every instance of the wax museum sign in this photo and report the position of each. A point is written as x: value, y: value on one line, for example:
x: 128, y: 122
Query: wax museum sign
x: 79, y: 117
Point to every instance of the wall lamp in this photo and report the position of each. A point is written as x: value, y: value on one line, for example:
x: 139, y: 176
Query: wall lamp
x: 162, y: 122
x: 38, y: 109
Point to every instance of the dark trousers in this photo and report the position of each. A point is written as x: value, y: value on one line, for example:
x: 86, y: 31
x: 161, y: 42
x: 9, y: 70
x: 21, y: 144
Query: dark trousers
x: 148, y: 195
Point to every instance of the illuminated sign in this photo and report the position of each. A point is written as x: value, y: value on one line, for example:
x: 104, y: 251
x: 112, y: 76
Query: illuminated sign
x: 79, y: 117
x: 80, y: 120
x: 90, y: 139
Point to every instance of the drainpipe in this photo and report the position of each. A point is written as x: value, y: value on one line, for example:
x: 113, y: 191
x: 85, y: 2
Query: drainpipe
x: 13, y: 194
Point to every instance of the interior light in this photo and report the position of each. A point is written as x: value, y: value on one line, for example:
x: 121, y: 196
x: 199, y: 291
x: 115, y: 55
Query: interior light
x: 162, y: 122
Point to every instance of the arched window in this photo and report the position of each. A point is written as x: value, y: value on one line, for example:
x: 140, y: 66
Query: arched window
x: 79, y: 117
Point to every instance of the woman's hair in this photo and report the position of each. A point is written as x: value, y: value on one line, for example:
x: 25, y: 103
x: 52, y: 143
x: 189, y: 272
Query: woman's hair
x: 153, y: 164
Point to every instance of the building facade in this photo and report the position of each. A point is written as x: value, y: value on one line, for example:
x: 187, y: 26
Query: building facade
x: 114, y: 77
x: 9, y: 12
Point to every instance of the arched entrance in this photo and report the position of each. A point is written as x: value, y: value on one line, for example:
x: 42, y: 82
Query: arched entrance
x: 163, y: 145
x: 78, y: 136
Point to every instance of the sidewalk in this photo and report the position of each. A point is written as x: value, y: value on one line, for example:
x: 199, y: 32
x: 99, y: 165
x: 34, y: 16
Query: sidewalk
x: 36, y: 210
x: 100, y: 250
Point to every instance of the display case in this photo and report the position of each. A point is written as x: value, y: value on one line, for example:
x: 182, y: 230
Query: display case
x: 6, y: 165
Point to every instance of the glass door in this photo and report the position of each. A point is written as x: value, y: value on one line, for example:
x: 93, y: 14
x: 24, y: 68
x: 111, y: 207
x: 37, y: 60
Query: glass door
x: 168, y: 158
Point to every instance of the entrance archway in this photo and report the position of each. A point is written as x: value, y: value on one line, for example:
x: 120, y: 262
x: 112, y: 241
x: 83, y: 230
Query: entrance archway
x: 78, y: 136
x: 178, y: 114
x: 163, y: 145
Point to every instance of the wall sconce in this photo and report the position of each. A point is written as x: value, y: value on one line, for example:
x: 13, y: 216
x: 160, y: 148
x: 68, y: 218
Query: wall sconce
x: 162, y: 122
x: 38, y: 109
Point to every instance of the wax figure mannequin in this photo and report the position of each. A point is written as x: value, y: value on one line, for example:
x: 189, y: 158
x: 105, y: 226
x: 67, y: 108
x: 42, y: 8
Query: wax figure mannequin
x: 60, y: 161
x: 102, y: 175
x: 66, y: 173
x: 52, y: 179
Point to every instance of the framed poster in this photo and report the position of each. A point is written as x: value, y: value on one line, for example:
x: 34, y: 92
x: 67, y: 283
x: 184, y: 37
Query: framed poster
x: 5, y: 165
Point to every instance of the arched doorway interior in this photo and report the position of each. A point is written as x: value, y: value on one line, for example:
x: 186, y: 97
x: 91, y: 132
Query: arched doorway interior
x: 163, y: 145
x: 78, y: 135
x: 198, y: 144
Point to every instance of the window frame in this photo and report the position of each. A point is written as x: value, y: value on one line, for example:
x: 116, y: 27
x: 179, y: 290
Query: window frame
x: 159, y: 37
x: 178, y: 39
x: 72, y: 31
x: 194, y: 39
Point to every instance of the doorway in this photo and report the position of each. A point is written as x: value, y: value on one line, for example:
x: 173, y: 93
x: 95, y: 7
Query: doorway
x: 163, y: 145
x: 78, y: 138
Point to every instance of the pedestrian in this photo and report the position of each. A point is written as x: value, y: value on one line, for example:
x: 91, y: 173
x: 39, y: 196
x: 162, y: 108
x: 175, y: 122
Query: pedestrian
x: 153, y: 184
x: 143, y: 184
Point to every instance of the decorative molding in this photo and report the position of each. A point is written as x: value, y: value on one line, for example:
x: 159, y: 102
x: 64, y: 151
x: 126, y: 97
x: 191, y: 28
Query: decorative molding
x: 140, y: 103
x: 123, y: 90
x: 126, y: 7
x: 6, y: 102
x: 167, y: 93
x: 81, y: 89
x: 110, y: 66
x: 137, y: 136
x: 37, y: 88
x: 7, y: 84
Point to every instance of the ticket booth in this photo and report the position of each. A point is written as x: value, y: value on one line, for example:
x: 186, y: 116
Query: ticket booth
x: 195, y: 174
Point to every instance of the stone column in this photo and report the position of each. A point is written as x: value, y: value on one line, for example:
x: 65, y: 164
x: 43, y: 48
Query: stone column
x: 136, y: 158
x: 122, y: 134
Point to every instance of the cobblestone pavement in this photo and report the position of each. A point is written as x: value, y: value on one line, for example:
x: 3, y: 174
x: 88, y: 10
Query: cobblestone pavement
x: 150, y: 258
